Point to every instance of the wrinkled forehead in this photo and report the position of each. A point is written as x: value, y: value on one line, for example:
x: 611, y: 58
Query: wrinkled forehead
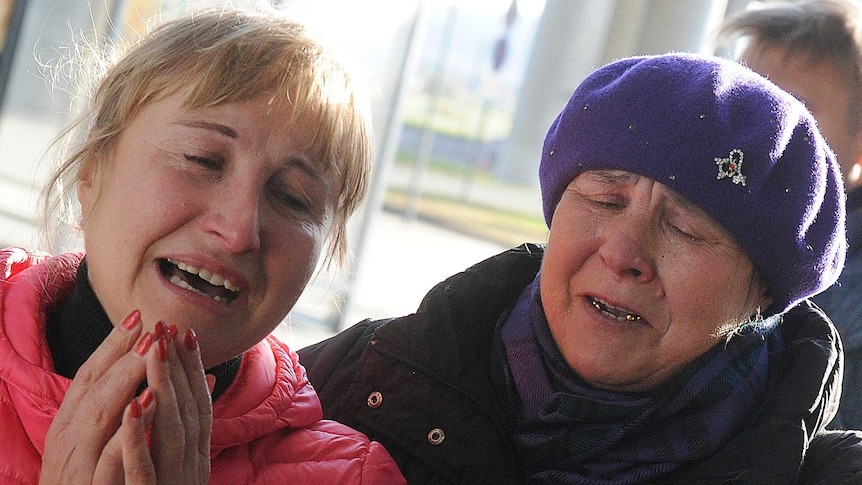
x: 622, y: 178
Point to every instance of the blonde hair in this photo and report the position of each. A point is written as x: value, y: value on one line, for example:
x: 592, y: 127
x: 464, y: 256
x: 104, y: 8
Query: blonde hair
x: 227, y: 56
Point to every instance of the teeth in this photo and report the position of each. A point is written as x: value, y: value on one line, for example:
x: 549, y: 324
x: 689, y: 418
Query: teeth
x: 214, y: 279
x: 617, y: 313
x: 182, y: 284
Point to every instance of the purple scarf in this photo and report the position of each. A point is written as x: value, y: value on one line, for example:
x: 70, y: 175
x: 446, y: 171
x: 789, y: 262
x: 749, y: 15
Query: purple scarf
x: 568, y: 432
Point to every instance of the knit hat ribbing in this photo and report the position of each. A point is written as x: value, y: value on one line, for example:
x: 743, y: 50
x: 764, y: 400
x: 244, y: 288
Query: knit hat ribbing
x: 734, y: 144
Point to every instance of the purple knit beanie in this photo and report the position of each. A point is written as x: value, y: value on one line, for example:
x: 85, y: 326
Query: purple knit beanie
x: 744, y: 151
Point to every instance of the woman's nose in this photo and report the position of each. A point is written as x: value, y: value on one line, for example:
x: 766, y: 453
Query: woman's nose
x: 626, y: 247
x: 234, y: 221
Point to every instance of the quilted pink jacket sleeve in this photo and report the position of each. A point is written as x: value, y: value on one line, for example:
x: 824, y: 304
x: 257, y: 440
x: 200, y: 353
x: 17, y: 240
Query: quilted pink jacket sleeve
x: 324, y: 453
x: 267, y: 426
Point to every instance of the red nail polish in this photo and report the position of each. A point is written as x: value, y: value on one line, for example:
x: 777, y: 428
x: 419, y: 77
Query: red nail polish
x: 162, y: 348
x: 135, y: 409
x: 132, y: 320
x: 190, y: 339
x: 144, y: 344
x: 161, y: 329
x: 173, y: 331
x: 146, y: 398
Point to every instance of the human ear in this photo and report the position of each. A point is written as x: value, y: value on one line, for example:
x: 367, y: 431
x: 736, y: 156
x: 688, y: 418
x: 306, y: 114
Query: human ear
x: 759, y: 294
x: 86, y: 187
x: 765, y: 300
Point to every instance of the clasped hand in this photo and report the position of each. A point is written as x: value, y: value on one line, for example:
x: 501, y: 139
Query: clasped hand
x: 104, y: 434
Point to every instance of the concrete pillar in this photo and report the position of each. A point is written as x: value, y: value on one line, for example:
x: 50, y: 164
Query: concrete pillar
x: 680, y: 25
x: 576, y: 36
x: 733, y: 7
x: 568, y: 45
x: 626, y: 29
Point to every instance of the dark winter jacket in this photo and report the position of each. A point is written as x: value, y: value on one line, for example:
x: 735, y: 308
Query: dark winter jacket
x: 843, y: 303
x: 422, y: 385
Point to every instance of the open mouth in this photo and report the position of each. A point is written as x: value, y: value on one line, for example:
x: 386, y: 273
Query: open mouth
x: 199, y: 280
x: 617, y: 313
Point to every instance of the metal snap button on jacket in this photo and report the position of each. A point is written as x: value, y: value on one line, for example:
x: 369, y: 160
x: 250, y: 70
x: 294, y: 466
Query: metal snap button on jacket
x: 436, y: 436
x: 375, y: 399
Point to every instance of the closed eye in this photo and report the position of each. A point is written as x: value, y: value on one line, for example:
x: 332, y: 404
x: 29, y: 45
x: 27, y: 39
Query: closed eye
x: 290, y: 201
x: 205, y: 162
x: 612, y: 202
x: 286, y: 199
x: 679, y: 231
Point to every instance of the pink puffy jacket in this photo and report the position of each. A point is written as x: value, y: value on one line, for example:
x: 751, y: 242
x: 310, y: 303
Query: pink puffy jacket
x: 267, y: 426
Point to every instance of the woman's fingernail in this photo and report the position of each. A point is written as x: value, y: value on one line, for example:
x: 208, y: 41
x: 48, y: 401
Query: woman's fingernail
x: 173, y: 331
x: 161, y: 329
x: 132, y: 320
x: 190, y: 339
x: 162, y: 348
x: 146, y: 398
x: 135, y: 408
x: 144, y: 344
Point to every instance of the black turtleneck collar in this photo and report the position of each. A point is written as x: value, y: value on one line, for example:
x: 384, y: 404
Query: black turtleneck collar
x: 78, y: 326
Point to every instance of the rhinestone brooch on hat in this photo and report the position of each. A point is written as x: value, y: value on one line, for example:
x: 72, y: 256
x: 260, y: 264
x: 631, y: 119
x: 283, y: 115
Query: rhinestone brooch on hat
x: 731, y: 167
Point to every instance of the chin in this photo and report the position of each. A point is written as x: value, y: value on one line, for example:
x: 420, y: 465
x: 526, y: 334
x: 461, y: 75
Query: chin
x: 595, y: 373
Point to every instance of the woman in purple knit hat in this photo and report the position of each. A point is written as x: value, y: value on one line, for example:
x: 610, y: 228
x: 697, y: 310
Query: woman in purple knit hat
x: 662, y: 335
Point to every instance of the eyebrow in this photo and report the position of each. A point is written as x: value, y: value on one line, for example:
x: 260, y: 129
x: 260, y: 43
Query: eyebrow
x: 685, y: 203
x: 217, y: 127
x: 307, y: 167
x: 613, y: 176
